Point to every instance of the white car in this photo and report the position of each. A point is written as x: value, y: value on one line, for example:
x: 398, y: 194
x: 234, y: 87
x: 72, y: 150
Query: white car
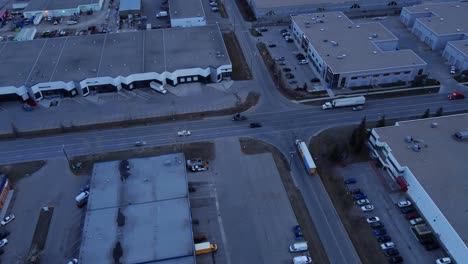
x: 3, y: 242
x: 387, y: 245
x: 416, y: 221
x: 443, y: 261
x: 73, y: 261
x: 452, y: 69
x: 373, y: 219
x: 302, y: 62
x: 367, y: 208
x: 362, y: 202
x: 7, y: 220
x: 404, y: 203
x: 213, y: 4
x: 183, y: 133
x: 302, y: 260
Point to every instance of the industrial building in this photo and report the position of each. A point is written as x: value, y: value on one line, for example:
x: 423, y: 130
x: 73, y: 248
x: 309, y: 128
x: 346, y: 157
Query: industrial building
x: 429, y: 157
x: 80, y: 65
x: 139, y: 212
x: 186, y: 13
x: 443, y: 27
x: 129, y: 7
x: 347, y: 55
x: 58, y: 8
x: 282, y: 8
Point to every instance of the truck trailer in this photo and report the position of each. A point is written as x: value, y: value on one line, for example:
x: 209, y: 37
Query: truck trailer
x: 306, y: 157
x: 343, y: 102
x: 205, y: 247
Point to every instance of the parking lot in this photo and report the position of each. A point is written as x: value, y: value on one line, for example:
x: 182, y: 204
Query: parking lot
x: 54, y: 186
x: 384, y: 195
x: 279, y: 47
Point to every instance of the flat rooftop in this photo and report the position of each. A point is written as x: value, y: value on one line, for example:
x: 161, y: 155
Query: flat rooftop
x: 111, y: 55
x: 441, y: 167
x: 356, y: 41
x: 461, y: 45
x: 40, y: 5
x: 186, y: 8
x: 445, y: 18
x: 289, y: 3
x: 153, y: 205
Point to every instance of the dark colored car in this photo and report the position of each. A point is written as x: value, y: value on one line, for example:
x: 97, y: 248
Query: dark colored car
x: 4, y: 234
x: 455, y: 96
x: 289, y: 76
x: 263, y: 29
x: 297, y: 231
x: 431, y: 246
x: 286, y: 69
x: 396, y: 259
x: 411, y: 216
x: 289, y: 40
x: 350, y: 181
x: 376, y: 225
x: 300, y: 56
x: 272, y: 45
x: 384, y: 239
x: 381, y: 231
x: 355, y: 191
x: 408, y: 209
x: 255, y: 125
x: 392, y: 252
x: 359, y: 196
x: 283, y: 31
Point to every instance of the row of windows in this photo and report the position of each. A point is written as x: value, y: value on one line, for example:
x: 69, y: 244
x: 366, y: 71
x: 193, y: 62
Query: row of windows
x: 378, y: 75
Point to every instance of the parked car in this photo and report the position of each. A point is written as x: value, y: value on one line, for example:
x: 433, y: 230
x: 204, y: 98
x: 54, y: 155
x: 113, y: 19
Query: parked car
x: 198, y: 168
x: 387, y: 245
x: 455, y: 96
x: 213, y: 4
x: 355, y: 191
x: 140, y: 143
x: 392, y: 252
x: 384, y: 239
x: 7, y: 219
x: 407, y: 209
x: 3, y: 242
x: 279, y: 59
x: 297, y: 231
x: 300, y: 56
x: 376, y: 225
x: 272, y: 45
x: 302, y: 260
x: 452, y: 69
x: 286, y: 69
x: 367, y: 208
x: 303, y: 62
x: 362, y: 202
x: 404, y: 203
x: 380, y: 231
x: 443, y: 261
x: 431, y: 246
x: 73, y: 261
x: 293, y: 82
x: 411, y: 216
x: 214, y: 9
x: 417, y: 221
x: 262, y: 29
x: 372, y: 219
x: 289, y: 40
x: 396, y: 259
x: 282, y: 63
x: 283, y: 31
x: 359, y: 196
x: 289, y: 76
x: 4, y: 234
x: 350, y: 181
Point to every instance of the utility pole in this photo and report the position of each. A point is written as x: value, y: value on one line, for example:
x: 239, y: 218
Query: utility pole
x: 65, y: 153
x: 291, y: 156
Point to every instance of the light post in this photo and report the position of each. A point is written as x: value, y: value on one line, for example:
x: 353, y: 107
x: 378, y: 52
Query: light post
x: 65, y: 153
x: 291, y: 156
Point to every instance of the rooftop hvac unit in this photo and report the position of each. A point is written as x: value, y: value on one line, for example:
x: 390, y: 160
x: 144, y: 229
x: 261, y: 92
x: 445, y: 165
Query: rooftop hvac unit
x: 375, y: 35
x: 416, y: 147
x: 434, y: 125
x: 334, y: 43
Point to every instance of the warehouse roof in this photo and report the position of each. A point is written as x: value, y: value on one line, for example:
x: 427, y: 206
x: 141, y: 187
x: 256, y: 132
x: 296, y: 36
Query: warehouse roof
x: 146, y: 211
x: 129, y: 5
x: 186, y: 9
x: 348, y: 47
x: 324, y: 3
x: 39, y: 5
x: 440, y: 167
x: 443, y: 18
x: 111, y: 55
x: 461, y: 45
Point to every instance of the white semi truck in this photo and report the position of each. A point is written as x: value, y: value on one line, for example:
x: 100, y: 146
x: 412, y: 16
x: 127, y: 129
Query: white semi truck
x: 343, y: 102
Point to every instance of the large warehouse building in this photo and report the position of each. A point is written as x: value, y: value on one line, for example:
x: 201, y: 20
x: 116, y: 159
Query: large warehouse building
x: 139, y: 212
x: 432, y: 160
x: 58, y: 8
x: 110, y: 62
x: 348, y: 55
x: 443, y: 27
x: 275, y: 8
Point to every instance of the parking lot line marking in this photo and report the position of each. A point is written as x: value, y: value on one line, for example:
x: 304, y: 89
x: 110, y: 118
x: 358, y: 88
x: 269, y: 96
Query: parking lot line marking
x: 220, y: 221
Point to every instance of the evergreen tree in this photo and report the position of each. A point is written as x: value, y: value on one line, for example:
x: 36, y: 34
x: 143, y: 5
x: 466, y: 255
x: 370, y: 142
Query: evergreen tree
x: 440, y: 111
x: 426, y: 114
x: 381, y: 122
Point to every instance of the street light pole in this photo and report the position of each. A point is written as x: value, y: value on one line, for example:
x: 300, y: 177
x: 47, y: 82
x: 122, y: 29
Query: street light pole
x: 65, y: 153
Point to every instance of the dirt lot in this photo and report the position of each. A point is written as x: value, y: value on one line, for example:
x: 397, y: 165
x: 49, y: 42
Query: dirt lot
x: 40, y: 234
x: 203, y: 150
x: 20, y: 170
x: 321, y: 147
x: 240, y: 68
x: 252, y: 146
x: 246, y: 10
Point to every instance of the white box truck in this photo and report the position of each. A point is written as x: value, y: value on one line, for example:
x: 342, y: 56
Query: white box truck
x: 343, y: 102
x: 162, y: 14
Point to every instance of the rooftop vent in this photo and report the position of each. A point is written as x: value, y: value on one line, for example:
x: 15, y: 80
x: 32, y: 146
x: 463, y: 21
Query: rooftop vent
x: 457, y: 6
x: 340, y: 16
x: 426, y: 8
x: 375, y: 35
x: 416, y: 147
x: 369, y: 37
x: 434, y: 125
x: 341, y: 56
x: 322, y: 29
x: 334, y: 43
x: 358, y: 26
x: 441, y: 19
x: 408, y: 139
x: 325, y: 40
x: 375, y: 52
x: 350, y: 26
x: 458, y: 30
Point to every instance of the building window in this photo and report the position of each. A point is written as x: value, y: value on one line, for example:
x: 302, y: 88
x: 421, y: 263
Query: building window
x: 386, y: 74
x: 353, y: 78
x: 407, y: 72
x: 396, y: 73
x: 376, y: 75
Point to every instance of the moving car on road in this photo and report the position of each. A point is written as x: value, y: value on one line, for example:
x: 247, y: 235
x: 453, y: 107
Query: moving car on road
x: 140, y: 143
x: 183, y: 133
x: 255, y: 125
x: 455, y: 96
